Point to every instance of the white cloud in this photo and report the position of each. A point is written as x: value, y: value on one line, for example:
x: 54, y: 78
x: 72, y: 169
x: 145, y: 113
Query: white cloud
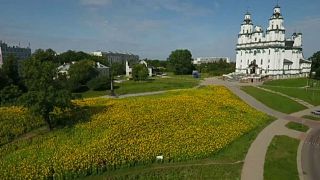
x: 95, y: 2
x: 179, y: 6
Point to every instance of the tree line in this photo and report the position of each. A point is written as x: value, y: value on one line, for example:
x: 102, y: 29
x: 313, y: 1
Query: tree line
x: 36, y: 83
x: 315, y: 67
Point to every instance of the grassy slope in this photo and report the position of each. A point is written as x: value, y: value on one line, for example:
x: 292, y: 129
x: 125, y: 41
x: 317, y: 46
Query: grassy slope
x: 195, y: 169
x: 297, y: 127
x: 156, y: 84
x: 159, y: 84
x: 299, y: 82
x: 293, y: 87
x: 281, y: 159
x: 90, y: 94
x: 311, y: 96
x: 274, y: 101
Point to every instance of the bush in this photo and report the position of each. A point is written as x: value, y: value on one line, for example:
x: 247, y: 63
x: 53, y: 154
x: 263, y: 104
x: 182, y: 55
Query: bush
x: 99, y: 83
x: 10, y: 94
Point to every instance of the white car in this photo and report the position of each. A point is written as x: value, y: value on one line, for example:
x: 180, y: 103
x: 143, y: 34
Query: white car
x: 316, y: 112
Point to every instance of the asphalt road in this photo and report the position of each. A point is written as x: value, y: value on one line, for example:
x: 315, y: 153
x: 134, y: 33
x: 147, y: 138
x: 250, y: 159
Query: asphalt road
x: 310, y: 156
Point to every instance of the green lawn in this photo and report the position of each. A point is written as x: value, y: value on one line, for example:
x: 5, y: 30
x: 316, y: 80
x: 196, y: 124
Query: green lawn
x: 310, y: 96
x: 195, y: 169
x: 297, y: 82
x: 297, y: 127
x: 274, y: 101
x: 157, y: 84
x: 154, y: 84
x: 311, y: 117
x: 281, y: 159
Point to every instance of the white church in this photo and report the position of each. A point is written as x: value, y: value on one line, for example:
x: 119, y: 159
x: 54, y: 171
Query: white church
x: 269, y: 53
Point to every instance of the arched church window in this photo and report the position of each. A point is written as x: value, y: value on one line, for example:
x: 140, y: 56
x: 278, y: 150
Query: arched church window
x: 269, y: 51
x: 277, y: 26
x: 272, y: 26
x: 261, y: 61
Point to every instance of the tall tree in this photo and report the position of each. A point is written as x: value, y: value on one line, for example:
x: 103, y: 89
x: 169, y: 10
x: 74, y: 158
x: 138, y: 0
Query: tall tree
x: 10, y: 68
x: 45, y: 92
x: 315, y: 67
x: 81, y: 72
x: 3, y: 79
x: 180, y: 61
x: 140, y: 72
x: 45, y: 55
x: 73, y: 56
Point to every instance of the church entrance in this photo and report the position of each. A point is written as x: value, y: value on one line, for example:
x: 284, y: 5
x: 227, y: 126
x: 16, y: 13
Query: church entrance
x: 253, y: 67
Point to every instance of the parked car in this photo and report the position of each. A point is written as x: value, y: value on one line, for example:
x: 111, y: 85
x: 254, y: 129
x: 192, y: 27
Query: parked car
x: 316, y: 112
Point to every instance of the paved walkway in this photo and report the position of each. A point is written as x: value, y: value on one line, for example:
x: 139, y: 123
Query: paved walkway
x: 135, y: 95
x: 254, y: 162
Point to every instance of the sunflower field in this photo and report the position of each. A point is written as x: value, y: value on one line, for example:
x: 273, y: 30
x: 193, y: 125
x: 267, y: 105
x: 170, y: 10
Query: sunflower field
x: 15, y: 121
x: 178, y: 125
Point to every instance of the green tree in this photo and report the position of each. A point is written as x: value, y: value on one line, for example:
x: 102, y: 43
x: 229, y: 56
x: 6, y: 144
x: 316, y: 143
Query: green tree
x: 140, y: 72
x: 3, y: 79
x: 157, y: 63
x: 80, y: 73
x: 73, y: 56
x: 118, y: 68
x: 45, y: 93
x: 180, y: 61
x: 216, y: 68
x: 9, y: 95
x: 315, y: 67
x: 10, y: 68
x: 99, y: 83
x: 45, y: 55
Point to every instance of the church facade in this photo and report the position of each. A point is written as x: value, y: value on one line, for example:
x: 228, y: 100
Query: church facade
x: 260, y: 52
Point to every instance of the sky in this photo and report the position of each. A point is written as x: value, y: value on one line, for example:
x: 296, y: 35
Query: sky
x: 149, y: 28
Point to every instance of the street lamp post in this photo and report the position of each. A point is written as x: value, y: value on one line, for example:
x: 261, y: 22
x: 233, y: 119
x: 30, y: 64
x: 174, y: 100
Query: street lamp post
x: 112, y: 93
x: 312, y: 76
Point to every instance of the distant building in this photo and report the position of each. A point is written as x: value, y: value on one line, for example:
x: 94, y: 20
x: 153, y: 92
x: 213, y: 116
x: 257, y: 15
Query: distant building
x: 18, y: 52
x: 205, y: 60
x: 116, y: 57
x: 102, y: 69
x: 268, y: 52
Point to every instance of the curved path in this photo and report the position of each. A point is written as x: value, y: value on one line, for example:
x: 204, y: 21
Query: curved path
x: 254, y: 162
